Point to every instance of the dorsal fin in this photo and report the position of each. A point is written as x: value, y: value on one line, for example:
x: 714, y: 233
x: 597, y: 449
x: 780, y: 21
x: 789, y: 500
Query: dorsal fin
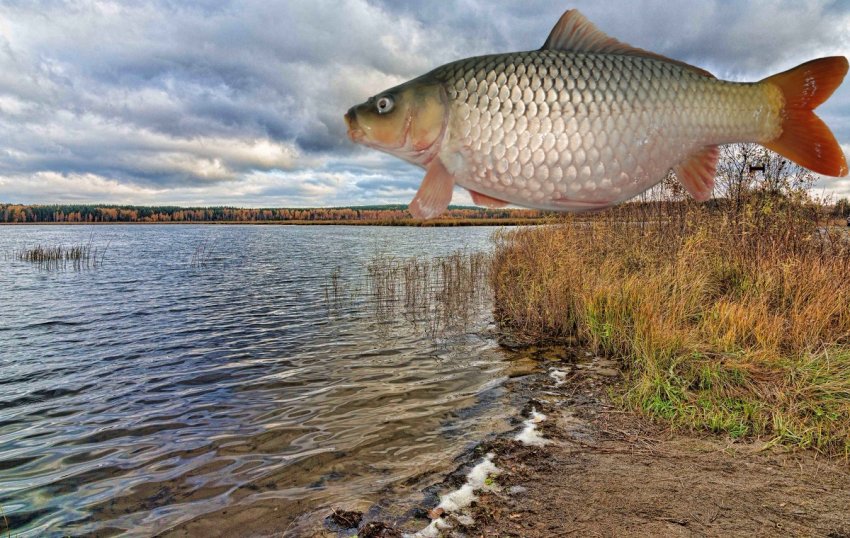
x: 575, y: 33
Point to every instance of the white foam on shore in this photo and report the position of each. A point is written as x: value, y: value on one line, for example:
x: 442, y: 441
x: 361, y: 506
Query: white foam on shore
x: 530, y: 435
x: 432, y: 530
x: 476, y: 479
x: 459, y: 499
x: 559, y: 376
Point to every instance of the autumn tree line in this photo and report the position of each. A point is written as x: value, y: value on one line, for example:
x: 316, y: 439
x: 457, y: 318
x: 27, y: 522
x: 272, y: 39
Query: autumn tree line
x: 17, y: 213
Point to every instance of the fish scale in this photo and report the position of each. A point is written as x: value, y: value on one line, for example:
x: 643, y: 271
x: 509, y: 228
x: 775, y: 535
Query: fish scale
x: 507, y: 123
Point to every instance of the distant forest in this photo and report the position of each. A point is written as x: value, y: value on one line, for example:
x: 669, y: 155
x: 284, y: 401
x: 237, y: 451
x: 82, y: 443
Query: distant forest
x: 16, y: 213
x: 379, y: 214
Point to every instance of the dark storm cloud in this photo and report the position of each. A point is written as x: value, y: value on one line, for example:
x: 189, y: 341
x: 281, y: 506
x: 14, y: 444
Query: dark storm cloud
x: 241, y: 102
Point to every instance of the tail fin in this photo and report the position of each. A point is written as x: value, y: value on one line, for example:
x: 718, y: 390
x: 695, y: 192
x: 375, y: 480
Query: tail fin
x: 805, y: 139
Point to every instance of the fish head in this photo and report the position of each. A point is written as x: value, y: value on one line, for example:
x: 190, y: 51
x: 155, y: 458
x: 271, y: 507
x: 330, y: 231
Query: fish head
x: 407, y: 121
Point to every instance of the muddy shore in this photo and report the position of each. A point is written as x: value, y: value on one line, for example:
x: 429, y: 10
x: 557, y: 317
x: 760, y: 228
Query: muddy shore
x: 605, y: 472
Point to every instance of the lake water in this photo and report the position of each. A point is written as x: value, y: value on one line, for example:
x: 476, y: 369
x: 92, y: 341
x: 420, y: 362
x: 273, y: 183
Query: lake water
x: 152, y: 390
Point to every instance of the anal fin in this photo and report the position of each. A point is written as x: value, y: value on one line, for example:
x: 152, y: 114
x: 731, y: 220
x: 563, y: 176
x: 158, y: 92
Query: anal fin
x: 434, y: 193
x: 697, y: 172
x: 487, y: 201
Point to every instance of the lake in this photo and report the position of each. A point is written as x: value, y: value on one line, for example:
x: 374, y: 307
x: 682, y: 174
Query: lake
x: 202, y: 369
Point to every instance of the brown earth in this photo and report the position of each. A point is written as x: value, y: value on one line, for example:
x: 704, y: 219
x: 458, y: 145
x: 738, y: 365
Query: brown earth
x: 609, y: 473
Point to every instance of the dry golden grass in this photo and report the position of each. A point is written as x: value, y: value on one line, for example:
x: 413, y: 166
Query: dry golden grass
x: 735, y: 323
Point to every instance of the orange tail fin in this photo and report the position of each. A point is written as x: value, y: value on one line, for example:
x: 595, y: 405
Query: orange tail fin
x: 805, y: 139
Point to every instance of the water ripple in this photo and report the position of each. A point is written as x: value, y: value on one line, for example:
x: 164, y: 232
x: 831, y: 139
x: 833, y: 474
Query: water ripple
x: 149, y: 392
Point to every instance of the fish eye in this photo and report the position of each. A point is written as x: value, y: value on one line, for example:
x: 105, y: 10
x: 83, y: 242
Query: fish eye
x: 384, y: 104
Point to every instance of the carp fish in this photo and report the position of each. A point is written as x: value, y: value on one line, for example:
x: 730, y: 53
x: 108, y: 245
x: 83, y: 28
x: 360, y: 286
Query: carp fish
x: 587, y: 122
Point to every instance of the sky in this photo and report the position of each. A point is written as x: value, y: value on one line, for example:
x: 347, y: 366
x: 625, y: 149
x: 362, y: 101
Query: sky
x: 199, y: 102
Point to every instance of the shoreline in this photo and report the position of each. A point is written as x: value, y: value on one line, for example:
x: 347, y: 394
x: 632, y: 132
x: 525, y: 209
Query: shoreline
x: 605, y: 471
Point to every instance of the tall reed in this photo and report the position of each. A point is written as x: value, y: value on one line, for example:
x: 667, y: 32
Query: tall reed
x: 77, y: 257
x: 202, y: 254
x: 444, y: 292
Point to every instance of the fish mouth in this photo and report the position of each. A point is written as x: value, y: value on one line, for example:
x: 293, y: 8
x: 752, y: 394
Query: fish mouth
x: 355, y: 133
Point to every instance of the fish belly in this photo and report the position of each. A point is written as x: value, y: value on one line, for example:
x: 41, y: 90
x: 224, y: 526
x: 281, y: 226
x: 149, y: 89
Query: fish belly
x: 574, y: 131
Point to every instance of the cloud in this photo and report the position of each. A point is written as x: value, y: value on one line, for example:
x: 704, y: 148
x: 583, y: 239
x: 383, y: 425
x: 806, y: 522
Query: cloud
x: 86, y: 142
x: 241, y: 102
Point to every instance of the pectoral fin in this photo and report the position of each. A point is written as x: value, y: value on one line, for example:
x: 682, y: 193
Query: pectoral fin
x: 697, y: 172
x: 486, y: 201
x: 434, y: 193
